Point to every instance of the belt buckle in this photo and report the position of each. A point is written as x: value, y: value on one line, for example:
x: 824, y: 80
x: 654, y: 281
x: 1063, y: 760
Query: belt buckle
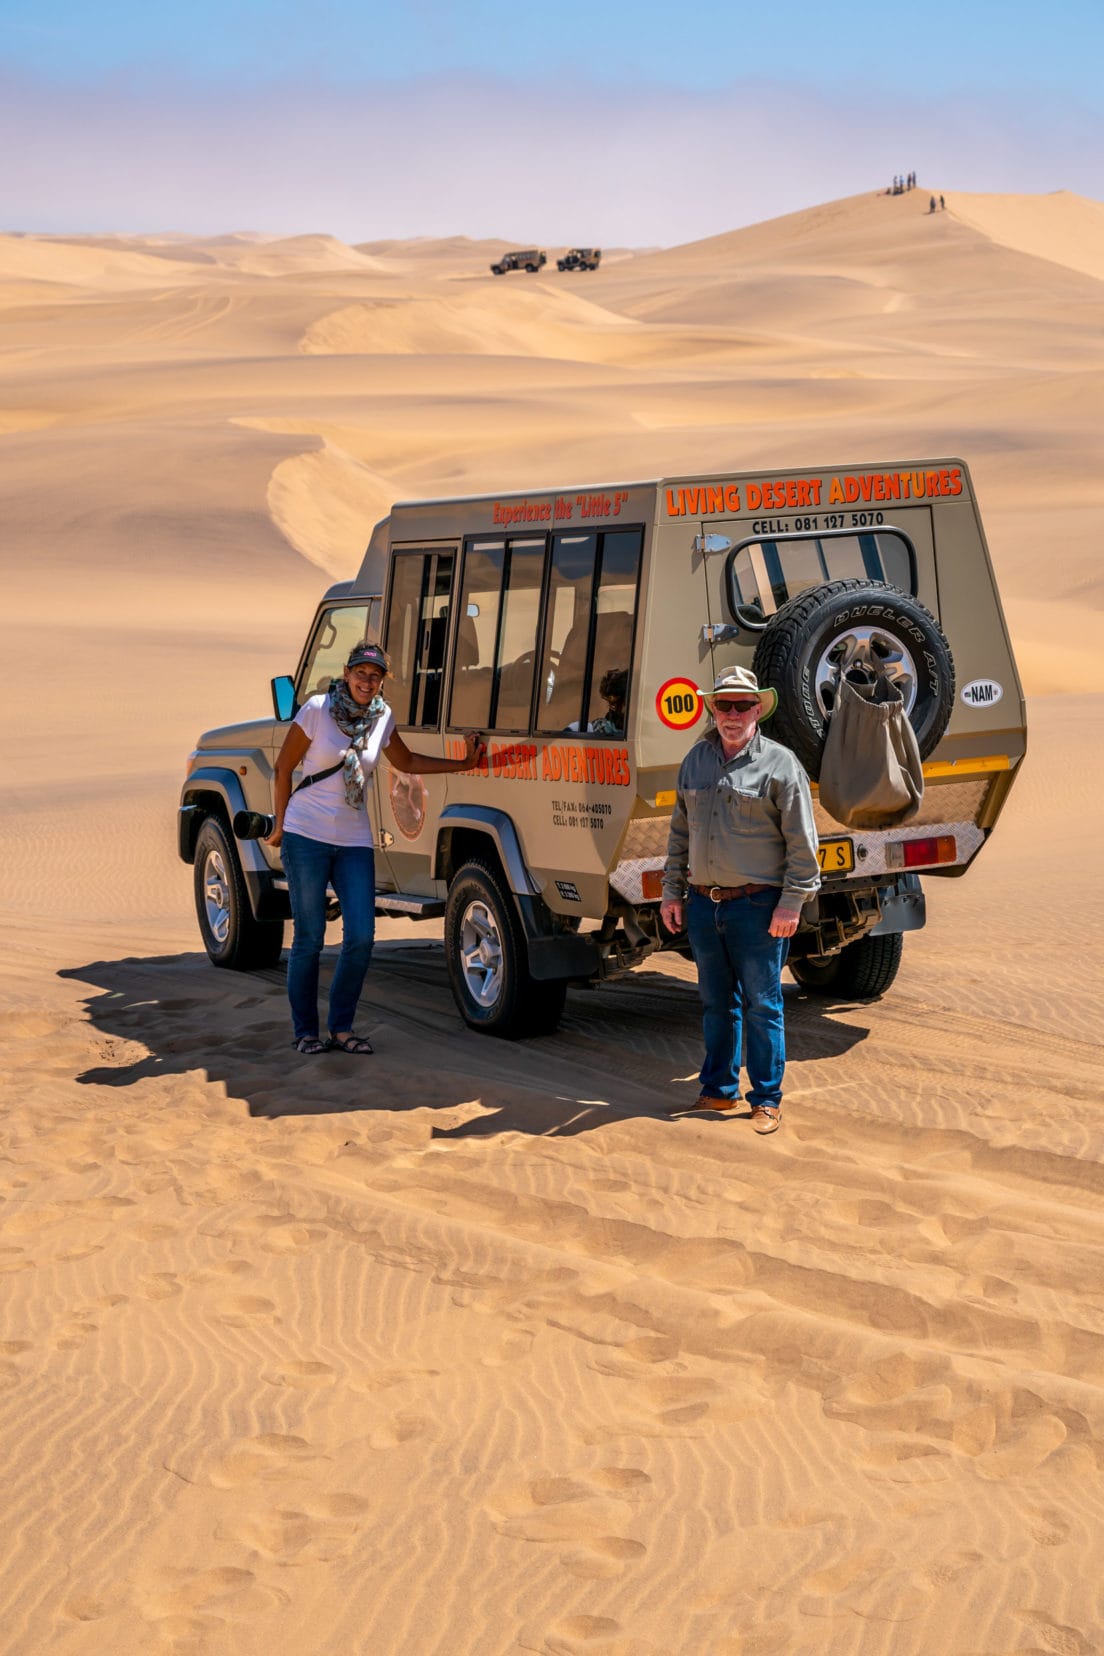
x: 713, y: 897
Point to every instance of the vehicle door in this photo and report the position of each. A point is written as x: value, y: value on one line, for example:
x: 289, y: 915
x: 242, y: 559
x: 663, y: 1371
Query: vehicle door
x: 338, y: 625
x: 418, y: 618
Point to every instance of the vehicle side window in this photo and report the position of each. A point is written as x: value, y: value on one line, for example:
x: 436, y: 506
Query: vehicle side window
x: 516, y: 660
x: 476, y: 635
x: 496, y: 639
x: 417, y: 631
x: 337, y: 631
x: 615, y: 611
x: 586, y: 664
x: 567, y: 632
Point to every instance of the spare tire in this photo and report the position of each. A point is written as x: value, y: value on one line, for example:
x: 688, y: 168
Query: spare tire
x: 865, y: 630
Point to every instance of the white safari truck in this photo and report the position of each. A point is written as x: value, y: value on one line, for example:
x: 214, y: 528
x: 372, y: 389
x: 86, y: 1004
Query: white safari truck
x: 576, y: 629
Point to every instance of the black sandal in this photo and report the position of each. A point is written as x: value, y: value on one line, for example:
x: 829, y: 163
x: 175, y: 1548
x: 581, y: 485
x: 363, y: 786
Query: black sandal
x: 309, y: 1045
x: 351, y: 1043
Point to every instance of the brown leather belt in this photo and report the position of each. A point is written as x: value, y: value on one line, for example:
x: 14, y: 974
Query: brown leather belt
x: 724, y: 894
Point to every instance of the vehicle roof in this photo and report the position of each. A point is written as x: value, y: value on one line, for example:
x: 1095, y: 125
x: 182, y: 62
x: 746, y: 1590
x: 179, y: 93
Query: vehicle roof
x: 926, y: 463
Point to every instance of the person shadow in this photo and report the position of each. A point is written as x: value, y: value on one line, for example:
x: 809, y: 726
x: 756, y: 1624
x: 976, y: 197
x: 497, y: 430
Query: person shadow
x: 630, y: 1048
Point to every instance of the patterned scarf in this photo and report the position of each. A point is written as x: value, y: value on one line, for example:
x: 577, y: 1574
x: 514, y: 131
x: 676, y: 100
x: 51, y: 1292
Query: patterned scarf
x: 356, y: 722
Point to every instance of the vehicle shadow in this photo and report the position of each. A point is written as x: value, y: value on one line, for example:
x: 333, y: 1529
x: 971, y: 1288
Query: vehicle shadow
x: 629, y: 1049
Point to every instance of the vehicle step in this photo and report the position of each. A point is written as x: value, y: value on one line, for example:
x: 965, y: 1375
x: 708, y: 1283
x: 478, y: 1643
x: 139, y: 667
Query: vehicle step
x: 401, y: 902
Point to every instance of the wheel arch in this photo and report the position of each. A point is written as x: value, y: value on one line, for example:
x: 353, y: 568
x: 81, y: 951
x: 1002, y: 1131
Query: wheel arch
x: 465, y: 831
x: 213, y: 791
x: 481, y: 832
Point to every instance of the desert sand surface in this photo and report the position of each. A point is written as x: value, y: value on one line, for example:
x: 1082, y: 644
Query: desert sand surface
x: 468, y: 1348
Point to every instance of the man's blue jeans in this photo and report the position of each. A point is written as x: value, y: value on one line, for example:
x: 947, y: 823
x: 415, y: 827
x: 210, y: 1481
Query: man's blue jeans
x: 310, y: 866
x: 740, y: 983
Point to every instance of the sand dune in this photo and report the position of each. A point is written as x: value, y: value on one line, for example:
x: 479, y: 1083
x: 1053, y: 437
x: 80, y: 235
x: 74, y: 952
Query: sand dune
x: 469, y: 1348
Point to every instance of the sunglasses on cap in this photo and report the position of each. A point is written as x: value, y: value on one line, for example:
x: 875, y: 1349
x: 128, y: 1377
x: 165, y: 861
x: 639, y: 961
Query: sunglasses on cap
x: 720, y: 704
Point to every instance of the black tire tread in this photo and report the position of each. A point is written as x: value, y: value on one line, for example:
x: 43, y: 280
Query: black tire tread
x: 531, y: 1007
x: 253, y: 944
x: 862, y: 971
x: 780, y: 654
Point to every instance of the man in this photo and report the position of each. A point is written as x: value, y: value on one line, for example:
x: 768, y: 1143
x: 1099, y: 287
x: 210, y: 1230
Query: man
x: 743, y: 839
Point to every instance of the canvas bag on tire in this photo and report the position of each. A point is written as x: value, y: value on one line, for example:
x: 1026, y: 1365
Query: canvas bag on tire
x: 871, y: 775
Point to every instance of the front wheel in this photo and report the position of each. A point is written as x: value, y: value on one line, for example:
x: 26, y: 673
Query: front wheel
x: 861, y: 971
x: 231, y: 934
x: 488, y: 962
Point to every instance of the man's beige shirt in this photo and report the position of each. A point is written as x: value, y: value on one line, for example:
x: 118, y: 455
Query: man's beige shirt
x: 743, y: 821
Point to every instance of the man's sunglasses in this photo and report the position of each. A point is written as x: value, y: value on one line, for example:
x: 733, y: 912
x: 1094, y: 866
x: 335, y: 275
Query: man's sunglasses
x: 721, y: 706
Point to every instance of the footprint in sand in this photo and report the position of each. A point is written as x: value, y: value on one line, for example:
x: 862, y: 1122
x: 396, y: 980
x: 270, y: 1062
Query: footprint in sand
x: 510, y: 1347
x: 190, y: 1605
x: 266, y: 1458
x: 319, y: 1530
x: 305, y: 1374
x: 403, y: 1427
x: 870, y: 1584
x: 159, y: 1285
x: 583, y: 1512
x: 1024, y: 1453
x: 587, y: 1629
x: 1049, y: 1527
x: 242, y: 1309
x: 1056, y: 1636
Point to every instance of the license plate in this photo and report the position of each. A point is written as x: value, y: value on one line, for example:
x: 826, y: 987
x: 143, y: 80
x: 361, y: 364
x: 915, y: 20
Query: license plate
x: 836, y: 856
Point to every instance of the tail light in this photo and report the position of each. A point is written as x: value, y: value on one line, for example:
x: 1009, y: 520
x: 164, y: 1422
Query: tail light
x: 917, y: 853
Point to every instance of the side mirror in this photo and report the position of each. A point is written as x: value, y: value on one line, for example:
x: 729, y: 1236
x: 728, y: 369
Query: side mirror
x: 283, y: 698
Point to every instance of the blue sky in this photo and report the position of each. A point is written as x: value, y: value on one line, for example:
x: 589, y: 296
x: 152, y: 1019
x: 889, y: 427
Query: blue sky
x: 621, y: 122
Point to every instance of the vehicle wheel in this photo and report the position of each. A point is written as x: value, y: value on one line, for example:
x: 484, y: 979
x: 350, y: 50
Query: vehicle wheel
x: 231, y: 935
x: 863, y: 630
x: 532, y: 269
x: 488, y: 963
x: 861, y: 971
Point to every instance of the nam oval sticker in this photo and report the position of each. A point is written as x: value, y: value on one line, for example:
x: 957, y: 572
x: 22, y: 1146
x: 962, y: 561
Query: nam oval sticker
x: 982, y: 693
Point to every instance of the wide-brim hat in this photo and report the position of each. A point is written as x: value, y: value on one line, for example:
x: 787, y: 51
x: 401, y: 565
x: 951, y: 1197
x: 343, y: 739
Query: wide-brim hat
x: 741, y: 681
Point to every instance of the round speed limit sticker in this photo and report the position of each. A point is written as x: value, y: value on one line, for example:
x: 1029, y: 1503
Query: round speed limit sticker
x: 679, y: 703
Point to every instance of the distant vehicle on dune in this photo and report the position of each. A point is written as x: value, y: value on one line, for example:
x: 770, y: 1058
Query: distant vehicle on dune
x: 530, y: 259
x: 580, y: 258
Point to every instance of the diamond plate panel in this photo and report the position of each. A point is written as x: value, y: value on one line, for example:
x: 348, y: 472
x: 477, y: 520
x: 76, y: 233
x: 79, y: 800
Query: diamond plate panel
x: 627, y: 876
x: 646, y: 837
x: 953, y: 802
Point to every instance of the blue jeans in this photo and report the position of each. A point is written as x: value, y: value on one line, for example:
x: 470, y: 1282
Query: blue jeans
x: 740, y: 983
x: 351, y: 869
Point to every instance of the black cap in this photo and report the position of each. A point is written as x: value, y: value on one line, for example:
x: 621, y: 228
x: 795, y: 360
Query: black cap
x: 369, y: 655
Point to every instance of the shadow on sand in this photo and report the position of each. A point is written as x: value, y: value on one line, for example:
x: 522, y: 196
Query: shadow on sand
x: 629, y: 1049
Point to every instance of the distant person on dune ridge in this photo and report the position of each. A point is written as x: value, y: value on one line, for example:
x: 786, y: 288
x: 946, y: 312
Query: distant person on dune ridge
x: 325, y: 837
x: 931, y: 205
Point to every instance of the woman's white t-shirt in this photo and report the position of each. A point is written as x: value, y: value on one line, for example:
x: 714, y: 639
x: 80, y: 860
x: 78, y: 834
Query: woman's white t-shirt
x: 320, y: 812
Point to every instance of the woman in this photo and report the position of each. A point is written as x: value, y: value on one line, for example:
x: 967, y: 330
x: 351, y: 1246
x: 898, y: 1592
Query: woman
x: 325, y: 837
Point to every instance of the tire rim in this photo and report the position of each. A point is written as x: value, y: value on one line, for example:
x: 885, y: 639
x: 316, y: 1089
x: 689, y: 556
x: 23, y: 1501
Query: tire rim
x: 216, y: 896
x: 862, y: 656
x: 481, y: 953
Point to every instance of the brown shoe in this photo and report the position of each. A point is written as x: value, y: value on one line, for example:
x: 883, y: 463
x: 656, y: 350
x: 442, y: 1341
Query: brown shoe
x: 705, y: 1104
x: 766, y: 1118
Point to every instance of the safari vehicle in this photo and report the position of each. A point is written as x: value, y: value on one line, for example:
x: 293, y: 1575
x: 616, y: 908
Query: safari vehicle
x: 580, y: 258
x: 531, y: 259
x: 574, y: 627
